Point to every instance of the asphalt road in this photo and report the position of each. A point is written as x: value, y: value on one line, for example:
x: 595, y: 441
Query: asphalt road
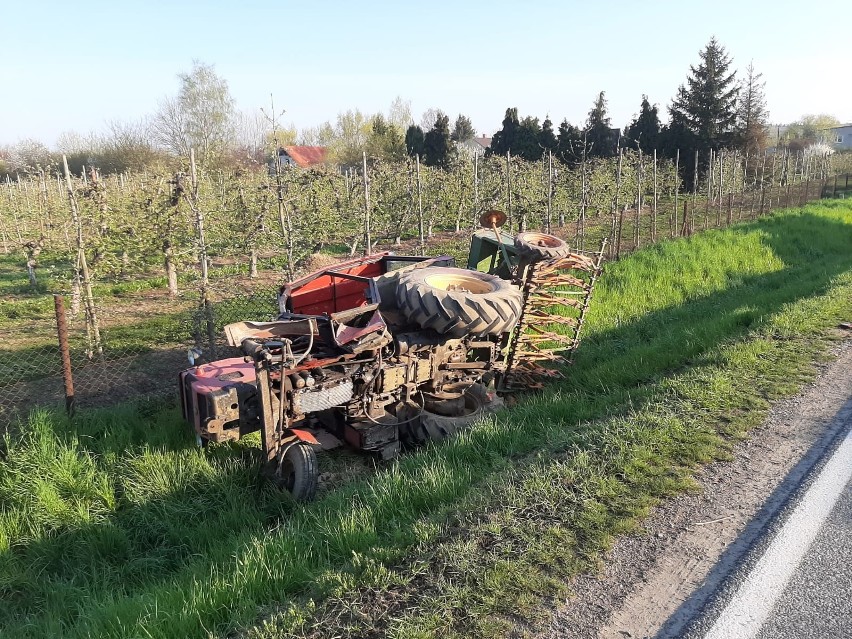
x: 796, y: 579
x: 818, y: 600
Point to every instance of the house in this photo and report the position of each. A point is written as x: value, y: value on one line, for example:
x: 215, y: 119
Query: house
x: 839, y: 137
x: 475, y: 145
x: 302, y: 156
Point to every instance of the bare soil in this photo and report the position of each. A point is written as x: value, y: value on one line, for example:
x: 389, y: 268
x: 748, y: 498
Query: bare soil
x: 647, y: 576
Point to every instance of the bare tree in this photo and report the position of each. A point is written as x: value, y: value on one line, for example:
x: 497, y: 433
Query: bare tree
x: 199, y: 117
x: 752, y: 115
x: 399, y: 114
x: 429, y: 117
x: 27, y: 155
x: 127, y: 146
x: 322, y: 135
x: 250, y: 134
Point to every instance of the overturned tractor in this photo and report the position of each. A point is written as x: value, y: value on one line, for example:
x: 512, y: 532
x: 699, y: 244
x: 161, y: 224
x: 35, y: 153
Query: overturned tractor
x: 389, y: 351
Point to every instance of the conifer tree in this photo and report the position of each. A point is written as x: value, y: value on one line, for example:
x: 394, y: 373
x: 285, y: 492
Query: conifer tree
x: 414, y: 140
x: 705, y: 108
x: 752, y: 115
x: 569, y: 143
x: 601, y: 141
x: 436, y: 143
x: 527, y: 140
x: 503, y: 140
x: 547, y: 139
x: 644, y: 132
x: 463, y: 129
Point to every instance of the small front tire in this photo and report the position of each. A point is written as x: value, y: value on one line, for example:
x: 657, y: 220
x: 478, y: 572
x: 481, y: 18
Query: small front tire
x: 535, y: 247
x: 298, y: 471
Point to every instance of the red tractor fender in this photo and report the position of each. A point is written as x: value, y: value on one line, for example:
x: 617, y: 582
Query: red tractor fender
x: 300, y: 435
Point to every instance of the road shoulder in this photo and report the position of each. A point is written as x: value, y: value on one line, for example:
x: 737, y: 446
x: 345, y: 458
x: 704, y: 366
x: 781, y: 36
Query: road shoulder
x: 681, y: 550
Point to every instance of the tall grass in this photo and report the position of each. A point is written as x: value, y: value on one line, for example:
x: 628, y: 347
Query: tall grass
x: 114, y: 525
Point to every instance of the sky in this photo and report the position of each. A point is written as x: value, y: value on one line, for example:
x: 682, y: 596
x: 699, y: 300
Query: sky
x: 75, y: 66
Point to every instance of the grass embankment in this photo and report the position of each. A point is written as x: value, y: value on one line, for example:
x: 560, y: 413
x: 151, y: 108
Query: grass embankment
x: 114, y: 525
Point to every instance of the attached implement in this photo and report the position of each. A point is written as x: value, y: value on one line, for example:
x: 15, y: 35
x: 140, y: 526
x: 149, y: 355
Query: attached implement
x: 388, y: 351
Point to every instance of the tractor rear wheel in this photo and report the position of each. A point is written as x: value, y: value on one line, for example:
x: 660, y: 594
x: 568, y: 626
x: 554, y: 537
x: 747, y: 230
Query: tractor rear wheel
x: 534, y: 247
x: 298, y: 471
x: 458, y: 302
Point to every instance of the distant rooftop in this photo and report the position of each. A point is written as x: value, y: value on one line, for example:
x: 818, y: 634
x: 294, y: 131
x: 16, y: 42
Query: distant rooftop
x: 305, y: 156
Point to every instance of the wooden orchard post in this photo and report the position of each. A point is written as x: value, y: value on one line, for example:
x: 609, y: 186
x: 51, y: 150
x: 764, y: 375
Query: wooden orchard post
x: 64, y: 353
x: 509, y: 190
x: 420, y: 224
x: 639, y: 200
x: 673, y: 218
x: 368, y: 238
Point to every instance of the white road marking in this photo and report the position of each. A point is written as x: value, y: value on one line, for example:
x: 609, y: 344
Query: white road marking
x: 746, y: 613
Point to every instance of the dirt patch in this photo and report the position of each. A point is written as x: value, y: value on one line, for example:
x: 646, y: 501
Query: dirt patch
x: 648, y: 575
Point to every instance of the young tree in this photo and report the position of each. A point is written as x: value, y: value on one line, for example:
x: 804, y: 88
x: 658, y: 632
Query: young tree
x: 752, y: 115
x: 706, y: 106
x: 436, y: 143
x: 199, y: 117
x: 644, y: 132
x: 601, y: 141
x: 463, y: 130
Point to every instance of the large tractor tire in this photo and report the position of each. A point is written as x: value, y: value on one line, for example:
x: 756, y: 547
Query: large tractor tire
x: 535, y: 247
x: 298, y: 472
x: 457, y: 302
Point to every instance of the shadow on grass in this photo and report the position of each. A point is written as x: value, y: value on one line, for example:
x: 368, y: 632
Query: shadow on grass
x: 813, y: 249
x: 193, y: 516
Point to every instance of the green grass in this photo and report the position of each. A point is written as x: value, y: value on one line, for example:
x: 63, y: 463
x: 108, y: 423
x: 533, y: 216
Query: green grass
x: 114, y: 525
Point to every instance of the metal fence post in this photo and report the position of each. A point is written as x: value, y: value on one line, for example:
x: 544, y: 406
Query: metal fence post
x: 65, y: 353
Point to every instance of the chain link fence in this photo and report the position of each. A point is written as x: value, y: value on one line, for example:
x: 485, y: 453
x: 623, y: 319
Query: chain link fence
x: 142, y: 343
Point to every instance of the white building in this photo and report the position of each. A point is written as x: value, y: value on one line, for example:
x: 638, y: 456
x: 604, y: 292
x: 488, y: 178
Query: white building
x: 840, y: 137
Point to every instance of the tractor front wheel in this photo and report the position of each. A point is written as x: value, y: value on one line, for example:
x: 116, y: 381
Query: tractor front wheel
x: 534, y: 247
x: 438, y: 426
x: 298, y: 472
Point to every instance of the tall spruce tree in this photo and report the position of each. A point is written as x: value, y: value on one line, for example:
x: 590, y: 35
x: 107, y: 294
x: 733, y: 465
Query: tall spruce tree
x: 601, y: 140
x: 644, y: 132
x: 752, y: 115
x: 705, y: 108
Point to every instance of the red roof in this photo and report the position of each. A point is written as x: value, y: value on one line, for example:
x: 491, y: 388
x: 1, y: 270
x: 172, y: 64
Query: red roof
x: 305, y: 156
